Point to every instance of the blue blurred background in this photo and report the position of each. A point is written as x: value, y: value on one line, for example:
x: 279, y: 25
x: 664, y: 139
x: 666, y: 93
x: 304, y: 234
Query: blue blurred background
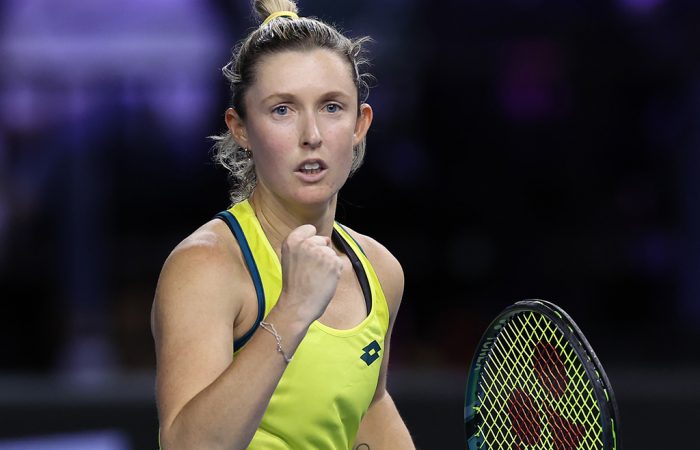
x: 520, y: 149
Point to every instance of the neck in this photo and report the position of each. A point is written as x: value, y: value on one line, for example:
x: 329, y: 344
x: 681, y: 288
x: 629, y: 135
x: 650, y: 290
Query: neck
x: 279, y: 219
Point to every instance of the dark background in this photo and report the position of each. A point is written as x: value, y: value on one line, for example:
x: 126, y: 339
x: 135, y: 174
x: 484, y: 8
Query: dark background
x: 520, y: 149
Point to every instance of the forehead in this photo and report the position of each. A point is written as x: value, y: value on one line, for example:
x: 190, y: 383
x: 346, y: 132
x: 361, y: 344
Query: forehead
x: 303, y: 71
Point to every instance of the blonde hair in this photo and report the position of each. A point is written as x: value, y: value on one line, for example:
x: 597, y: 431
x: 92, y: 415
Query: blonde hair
x: 280, y: 34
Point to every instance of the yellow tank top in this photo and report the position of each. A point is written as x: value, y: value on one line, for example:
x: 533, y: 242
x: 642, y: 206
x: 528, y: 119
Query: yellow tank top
x: 328, y: 386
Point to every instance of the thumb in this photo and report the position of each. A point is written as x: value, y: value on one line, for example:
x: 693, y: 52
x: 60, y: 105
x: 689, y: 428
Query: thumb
x: 303, y: 232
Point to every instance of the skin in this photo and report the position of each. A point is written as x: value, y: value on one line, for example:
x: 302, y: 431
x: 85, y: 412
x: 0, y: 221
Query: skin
x: 302, y: 108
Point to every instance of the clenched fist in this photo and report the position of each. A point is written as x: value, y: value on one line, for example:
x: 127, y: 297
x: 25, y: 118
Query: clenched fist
x: 310, y: 273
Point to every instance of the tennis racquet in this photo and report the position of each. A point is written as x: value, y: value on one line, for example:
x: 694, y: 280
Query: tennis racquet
x: 536, y: 384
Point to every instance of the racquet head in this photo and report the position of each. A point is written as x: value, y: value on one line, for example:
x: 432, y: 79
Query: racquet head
x: 536, y: 384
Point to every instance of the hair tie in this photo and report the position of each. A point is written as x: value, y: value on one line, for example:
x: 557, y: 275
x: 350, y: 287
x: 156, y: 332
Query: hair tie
x: 291, y: 14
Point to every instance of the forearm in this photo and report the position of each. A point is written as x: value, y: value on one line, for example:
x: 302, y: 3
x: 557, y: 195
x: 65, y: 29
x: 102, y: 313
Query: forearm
x: 382, y: 428
x: 227, y: 413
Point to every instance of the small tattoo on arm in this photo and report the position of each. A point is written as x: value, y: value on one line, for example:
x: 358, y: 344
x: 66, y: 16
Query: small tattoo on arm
x: 362, y: 447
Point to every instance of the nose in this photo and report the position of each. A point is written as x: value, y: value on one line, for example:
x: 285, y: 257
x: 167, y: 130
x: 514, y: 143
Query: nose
x: 310, y: 134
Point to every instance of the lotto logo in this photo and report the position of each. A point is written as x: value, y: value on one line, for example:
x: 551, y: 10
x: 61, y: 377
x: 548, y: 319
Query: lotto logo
x: 371, y: 352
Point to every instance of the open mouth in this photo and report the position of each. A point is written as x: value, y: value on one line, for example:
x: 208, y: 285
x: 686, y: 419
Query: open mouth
x: 311, y: 167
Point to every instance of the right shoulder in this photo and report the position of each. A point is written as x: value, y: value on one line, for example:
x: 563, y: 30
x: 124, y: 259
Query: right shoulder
x: 200, y: 271
x: 209, y: 252
x: 210, y: 246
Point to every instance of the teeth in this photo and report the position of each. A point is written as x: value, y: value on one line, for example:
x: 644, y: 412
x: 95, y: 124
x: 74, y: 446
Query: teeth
x: 312, y: 166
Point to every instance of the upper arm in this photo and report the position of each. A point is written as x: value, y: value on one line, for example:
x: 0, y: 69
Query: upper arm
x: 192, y: 319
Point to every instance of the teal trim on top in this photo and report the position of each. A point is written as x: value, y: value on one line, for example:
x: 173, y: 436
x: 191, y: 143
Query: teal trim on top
x: 353, y: 239
x: 235, y: 227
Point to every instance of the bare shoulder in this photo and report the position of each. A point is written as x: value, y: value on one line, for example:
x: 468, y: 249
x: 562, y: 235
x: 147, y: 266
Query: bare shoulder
x: 386, y: 265
x: 204, y: 258
x: 208, y: 241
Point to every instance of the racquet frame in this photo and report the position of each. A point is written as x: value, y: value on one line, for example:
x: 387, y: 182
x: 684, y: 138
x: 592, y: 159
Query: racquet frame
x: 602, y: 388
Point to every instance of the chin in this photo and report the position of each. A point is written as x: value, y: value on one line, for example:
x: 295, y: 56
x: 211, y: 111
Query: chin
x: 315, y: 197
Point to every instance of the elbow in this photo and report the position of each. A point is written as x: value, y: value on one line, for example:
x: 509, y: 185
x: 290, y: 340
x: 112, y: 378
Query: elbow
x: 173, y: 437
x: 167, y: 439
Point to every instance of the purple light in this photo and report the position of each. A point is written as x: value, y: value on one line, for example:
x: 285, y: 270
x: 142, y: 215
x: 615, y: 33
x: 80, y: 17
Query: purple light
x: 532, y: 84
x: 54, y: 52
x: 101, y: 440
x: 640, y: 6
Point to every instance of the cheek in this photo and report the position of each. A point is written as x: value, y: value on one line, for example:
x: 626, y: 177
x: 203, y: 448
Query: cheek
x: 269, y: 138
x: 343, y: 141
x: 269, y: 148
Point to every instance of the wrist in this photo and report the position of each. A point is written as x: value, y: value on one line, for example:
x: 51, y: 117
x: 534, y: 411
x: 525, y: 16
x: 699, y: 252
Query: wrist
x: 289, y: 326
x: 294, y: 312
x: 270, y: 328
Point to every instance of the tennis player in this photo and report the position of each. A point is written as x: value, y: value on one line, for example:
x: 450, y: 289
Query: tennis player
x: 272, y: 321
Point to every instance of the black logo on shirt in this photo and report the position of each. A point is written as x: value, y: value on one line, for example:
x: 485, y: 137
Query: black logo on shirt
x: 371, y: 353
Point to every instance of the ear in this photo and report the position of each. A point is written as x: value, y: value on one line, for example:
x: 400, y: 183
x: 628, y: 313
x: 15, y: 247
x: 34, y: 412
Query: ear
x: 364, y: 120
x: 237, y: 127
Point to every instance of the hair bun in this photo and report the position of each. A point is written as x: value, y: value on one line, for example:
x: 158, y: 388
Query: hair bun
x: 266, y: 8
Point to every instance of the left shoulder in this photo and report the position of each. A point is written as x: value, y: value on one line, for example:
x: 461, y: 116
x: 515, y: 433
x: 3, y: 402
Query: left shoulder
x: 386, y: 266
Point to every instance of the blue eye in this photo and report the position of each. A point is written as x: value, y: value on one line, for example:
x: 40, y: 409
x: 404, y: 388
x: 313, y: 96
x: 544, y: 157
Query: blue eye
x: 332, y: 108
x: 282, y: 110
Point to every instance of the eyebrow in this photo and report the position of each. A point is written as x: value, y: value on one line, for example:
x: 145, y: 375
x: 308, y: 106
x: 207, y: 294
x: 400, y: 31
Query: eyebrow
x: 290, y: 96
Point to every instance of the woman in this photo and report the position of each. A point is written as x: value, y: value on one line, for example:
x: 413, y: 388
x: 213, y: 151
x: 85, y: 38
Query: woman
x: 307, y: 303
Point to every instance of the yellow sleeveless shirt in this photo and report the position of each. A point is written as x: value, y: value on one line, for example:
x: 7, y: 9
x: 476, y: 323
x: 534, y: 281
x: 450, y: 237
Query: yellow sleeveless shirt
x: 327, y: 387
